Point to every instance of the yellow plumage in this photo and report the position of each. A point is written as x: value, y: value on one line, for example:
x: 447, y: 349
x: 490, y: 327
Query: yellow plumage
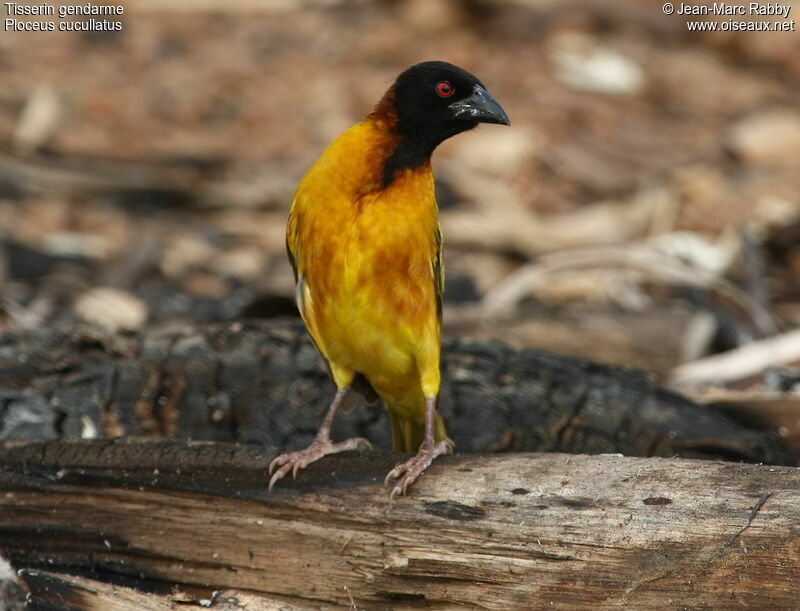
x: 368, y: 264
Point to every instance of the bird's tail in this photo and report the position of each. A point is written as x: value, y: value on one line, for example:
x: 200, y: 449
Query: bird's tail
x: 408, y: 434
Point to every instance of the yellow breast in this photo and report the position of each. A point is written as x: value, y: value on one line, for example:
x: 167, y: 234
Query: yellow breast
x: 364, y: 257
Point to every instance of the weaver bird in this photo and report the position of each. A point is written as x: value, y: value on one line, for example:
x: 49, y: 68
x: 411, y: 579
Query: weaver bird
x: 364, y: 242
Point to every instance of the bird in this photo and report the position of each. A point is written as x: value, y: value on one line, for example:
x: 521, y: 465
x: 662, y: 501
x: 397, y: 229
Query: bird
x: 365, y: 245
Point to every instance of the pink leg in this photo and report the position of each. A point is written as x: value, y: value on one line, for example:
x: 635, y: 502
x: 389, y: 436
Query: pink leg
x: 414, y: 467
x: 321, y: 446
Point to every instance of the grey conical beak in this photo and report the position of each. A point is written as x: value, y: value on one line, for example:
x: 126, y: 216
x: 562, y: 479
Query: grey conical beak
x: 479, y: 107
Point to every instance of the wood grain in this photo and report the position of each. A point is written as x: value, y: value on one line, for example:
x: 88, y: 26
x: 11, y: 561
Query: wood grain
x: 492, y: 532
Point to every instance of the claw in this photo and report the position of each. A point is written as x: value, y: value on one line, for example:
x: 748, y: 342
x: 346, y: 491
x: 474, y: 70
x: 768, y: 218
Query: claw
x: 274, y: 463
x: 393, y: 474
x: 413, y: 468
x: 278, y: 475
x: 294, y: 461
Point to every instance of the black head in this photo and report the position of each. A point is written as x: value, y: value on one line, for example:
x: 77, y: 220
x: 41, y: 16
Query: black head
x: 434, y: 101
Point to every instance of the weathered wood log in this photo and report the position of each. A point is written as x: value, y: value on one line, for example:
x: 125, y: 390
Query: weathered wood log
x: 265, y: 382
x: 495, y: 532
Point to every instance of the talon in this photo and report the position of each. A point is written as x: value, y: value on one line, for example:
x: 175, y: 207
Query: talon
x: 278, y: 475
x: 413, y: 468
x: 294, y: 461
x: 393, y: 474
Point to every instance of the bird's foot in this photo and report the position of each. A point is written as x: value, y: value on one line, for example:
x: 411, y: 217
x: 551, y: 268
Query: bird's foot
x: 294, y: 461
x: 411, y: 469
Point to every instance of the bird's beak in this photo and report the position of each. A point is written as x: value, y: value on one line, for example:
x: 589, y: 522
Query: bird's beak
x: 480, y: 107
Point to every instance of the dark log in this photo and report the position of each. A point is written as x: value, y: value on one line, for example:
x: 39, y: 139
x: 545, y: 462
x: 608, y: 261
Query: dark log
x: 266, y: 383
x: 185, y: 519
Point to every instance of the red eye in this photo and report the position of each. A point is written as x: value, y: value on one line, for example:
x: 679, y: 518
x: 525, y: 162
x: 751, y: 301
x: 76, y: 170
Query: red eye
x: 444, y: 89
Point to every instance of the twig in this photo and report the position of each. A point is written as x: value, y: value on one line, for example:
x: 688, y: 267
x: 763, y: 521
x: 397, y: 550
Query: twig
x: 759, y: 503
x: 745, y: 361
x: 642, y: 258
x: 519, y: 232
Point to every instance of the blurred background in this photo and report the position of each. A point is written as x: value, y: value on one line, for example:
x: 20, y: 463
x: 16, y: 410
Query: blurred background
x: 643, y: 209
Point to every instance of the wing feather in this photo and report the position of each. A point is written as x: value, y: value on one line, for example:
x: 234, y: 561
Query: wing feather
x: 438, y: 272
x: 291, y: 248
